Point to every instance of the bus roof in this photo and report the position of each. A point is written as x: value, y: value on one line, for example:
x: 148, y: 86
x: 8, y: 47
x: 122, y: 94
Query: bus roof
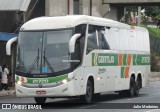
x: 60, y: 22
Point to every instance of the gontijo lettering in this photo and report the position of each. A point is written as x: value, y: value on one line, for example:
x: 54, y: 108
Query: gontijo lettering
x: 103, y: 59
x: 106, y: 59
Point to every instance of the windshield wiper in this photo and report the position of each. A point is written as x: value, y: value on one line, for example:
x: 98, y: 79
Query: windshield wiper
x: 35, y: 60
x: 47, y: 62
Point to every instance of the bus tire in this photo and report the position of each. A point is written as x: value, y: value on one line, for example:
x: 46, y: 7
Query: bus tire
x: 137, y: 87
x: 40, y: 100
x: 87, y: 98
x: 132, y: 87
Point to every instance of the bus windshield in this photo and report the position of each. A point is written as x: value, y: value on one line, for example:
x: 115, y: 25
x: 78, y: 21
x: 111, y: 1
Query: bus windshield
x: 43, y: 52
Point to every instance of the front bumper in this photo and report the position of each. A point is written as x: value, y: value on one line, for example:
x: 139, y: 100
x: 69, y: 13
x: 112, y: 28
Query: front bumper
x: 64, y: 90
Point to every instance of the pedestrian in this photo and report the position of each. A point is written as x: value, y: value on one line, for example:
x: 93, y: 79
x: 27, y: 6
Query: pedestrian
x: 1, y: 78
x: 4, y: 77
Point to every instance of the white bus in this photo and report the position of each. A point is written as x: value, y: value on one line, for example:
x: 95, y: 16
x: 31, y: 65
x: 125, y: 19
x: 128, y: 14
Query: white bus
x: 80, y: 56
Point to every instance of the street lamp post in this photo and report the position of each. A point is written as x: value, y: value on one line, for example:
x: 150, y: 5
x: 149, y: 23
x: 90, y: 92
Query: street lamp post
x: 139, y: 15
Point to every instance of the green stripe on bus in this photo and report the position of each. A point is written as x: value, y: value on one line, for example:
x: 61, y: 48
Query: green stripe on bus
x: 16, y: 78
x: 122, y: 72
x: 125, y: 59
x: 141, y: 59
x: 145, y: 59
x: 106, y: 59
x: 49, y: 80
x: 134, y: 59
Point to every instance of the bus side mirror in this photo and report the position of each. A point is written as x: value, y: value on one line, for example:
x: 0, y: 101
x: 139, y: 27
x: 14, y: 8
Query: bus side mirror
x: 72, y: 42
x: 9, y: 44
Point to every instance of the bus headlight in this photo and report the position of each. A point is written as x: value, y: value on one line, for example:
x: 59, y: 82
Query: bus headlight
x: 19, y: 82
x: 64, y: 81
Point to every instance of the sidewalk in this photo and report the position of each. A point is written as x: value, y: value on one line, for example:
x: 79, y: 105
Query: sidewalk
x: 155, y: 76
x: 154, y: 79
x: 10, y: 92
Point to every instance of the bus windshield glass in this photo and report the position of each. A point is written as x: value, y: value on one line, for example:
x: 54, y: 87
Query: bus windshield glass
x: 43, y: 52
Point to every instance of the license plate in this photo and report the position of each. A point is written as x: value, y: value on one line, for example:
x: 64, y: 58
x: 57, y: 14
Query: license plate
x: 40, y: 92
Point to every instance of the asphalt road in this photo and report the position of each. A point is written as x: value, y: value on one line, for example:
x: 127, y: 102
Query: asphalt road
x: 149, y: 95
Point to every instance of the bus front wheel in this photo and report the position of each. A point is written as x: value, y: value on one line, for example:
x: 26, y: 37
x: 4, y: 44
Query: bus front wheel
x: 87, y: 98
x: 40, y: 100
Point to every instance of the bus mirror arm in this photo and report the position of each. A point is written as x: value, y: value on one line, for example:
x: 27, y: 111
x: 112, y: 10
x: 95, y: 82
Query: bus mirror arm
x: 73, y: 41
x: 9, y: 44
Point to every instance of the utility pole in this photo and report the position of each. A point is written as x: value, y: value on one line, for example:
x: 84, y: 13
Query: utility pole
x: 139, y: 15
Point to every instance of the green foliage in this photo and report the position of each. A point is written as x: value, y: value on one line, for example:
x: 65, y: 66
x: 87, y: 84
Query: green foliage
x: 132, y: 9
x: 145, y: 19
x: 155, y: 32
x: 153, y: 12
x: 150, y: 11
x: 154, y: 45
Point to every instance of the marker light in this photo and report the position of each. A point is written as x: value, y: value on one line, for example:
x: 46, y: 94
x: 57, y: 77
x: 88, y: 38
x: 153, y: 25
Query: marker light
x: 98, y: 78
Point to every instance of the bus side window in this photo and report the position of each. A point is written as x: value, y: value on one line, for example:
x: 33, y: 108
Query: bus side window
x: 92, y: 39
x: 103, y: 44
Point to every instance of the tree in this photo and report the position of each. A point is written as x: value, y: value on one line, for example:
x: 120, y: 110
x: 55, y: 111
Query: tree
x: 132, y: 9
x: 153, y: 11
